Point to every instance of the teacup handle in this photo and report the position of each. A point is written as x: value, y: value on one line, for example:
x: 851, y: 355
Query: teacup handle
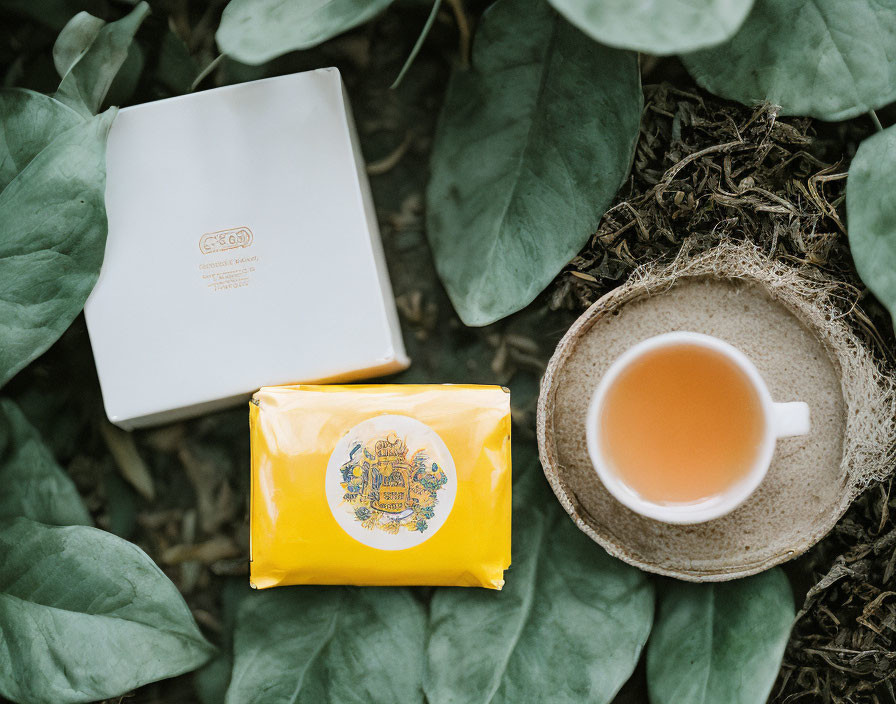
x: 790, y: 419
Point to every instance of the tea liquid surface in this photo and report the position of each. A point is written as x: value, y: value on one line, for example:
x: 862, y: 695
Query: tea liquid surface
x: 681, y: 423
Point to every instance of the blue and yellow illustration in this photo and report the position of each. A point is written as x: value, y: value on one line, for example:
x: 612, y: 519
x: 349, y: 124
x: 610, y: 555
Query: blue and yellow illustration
x: 389, y: 491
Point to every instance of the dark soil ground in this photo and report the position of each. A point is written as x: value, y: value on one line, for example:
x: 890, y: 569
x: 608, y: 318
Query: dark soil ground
x: 706, y: 170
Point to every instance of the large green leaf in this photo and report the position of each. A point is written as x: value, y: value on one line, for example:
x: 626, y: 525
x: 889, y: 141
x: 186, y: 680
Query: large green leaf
x: 34, y: 486
x: 871, y: 214
x: 255, y: 31
x: 328, y: 644
x: 719, y: 643
x: 656, y: 26
x: 568, y: 626
x: 532, y: 144
x: 52, y: 225
x: 78, y: 34
x: 85, y: 616
x: 825, y: 58
x: 29, y: 121
x: 126, y: 80
x: 213, y: 679
x: 88, y: 54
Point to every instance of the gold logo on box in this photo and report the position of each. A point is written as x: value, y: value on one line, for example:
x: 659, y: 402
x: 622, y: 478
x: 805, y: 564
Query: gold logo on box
x: 222, y: 240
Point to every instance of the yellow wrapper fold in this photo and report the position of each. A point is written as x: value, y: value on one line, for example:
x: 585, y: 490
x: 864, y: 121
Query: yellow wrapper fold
x: 380, y: 485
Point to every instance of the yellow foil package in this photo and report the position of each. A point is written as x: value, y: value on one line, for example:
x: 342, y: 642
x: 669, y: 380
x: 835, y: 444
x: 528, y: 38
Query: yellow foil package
x: 380, y: 485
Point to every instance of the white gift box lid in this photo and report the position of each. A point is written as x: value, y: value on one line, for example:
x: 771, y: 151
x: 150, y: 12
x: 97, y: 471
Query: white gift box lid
x: 243, y: 251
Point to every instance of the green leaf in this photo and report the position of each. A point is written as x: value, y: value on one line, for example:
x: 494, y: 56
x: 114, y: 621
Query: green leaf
x: 719, y: 643
x: 433, y: 13
x: 213, y: 679
x: 28, y: 123
x: 532, y: 144
x: 86, y: 616
x: 125, y: 82
x: 656, y: 26
x: 88, y: 54
x: 73, y: 41
x: 825, y: 58
x: 122, y: 505
x: 60, y: 413
x: 255, y: 31
x: 569, y: 625
x: 871, y: 215
x: 52, y: 225
x: 34, y: 486
x: 176, y: 68
x: 328, y: 644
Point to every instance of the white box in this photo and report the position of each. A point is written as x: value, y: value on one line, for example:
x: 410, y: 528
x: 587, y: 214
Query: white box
x: 243, y: 251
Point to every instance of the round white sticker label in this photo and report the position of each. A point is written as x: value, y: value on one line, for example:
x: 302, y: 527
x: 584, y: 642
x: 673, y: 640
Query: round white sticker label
x: 391, y: 482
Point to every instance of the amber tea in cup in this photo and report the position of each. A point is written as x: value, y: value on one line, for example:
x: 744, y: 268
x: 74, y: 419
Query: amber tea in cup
x: 681, y: 423
x: 682, y: 428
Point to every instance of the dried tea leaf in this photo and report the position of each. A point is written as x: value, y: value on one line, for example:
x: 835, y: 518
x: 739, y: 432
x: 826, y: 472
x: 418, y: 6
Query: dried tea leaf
x: 217, y: 548
x: 532, y: 144
x: 207, y: 471
x: 34, y: 486
x: 656, y: 26
x: 86, y: 615
x: 128, y: 460
x: 255, y: 31
x: 825, y: 58
x: 719, y: 643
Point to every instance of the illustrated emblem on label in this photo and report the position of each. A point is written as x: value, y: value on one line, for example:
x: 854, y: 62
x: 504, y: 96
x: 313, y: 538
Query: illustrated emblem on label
x: 391, y: 482
x: 222, y: 240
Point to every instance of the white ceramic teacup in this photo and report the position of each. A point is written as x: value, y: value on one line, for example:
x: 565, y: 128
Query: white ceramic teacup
x: 781, y: 420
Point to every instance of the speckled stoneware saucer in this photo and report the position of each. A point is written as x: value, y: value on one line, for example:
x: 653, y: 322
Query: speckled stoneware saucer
x: 788, y: 325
